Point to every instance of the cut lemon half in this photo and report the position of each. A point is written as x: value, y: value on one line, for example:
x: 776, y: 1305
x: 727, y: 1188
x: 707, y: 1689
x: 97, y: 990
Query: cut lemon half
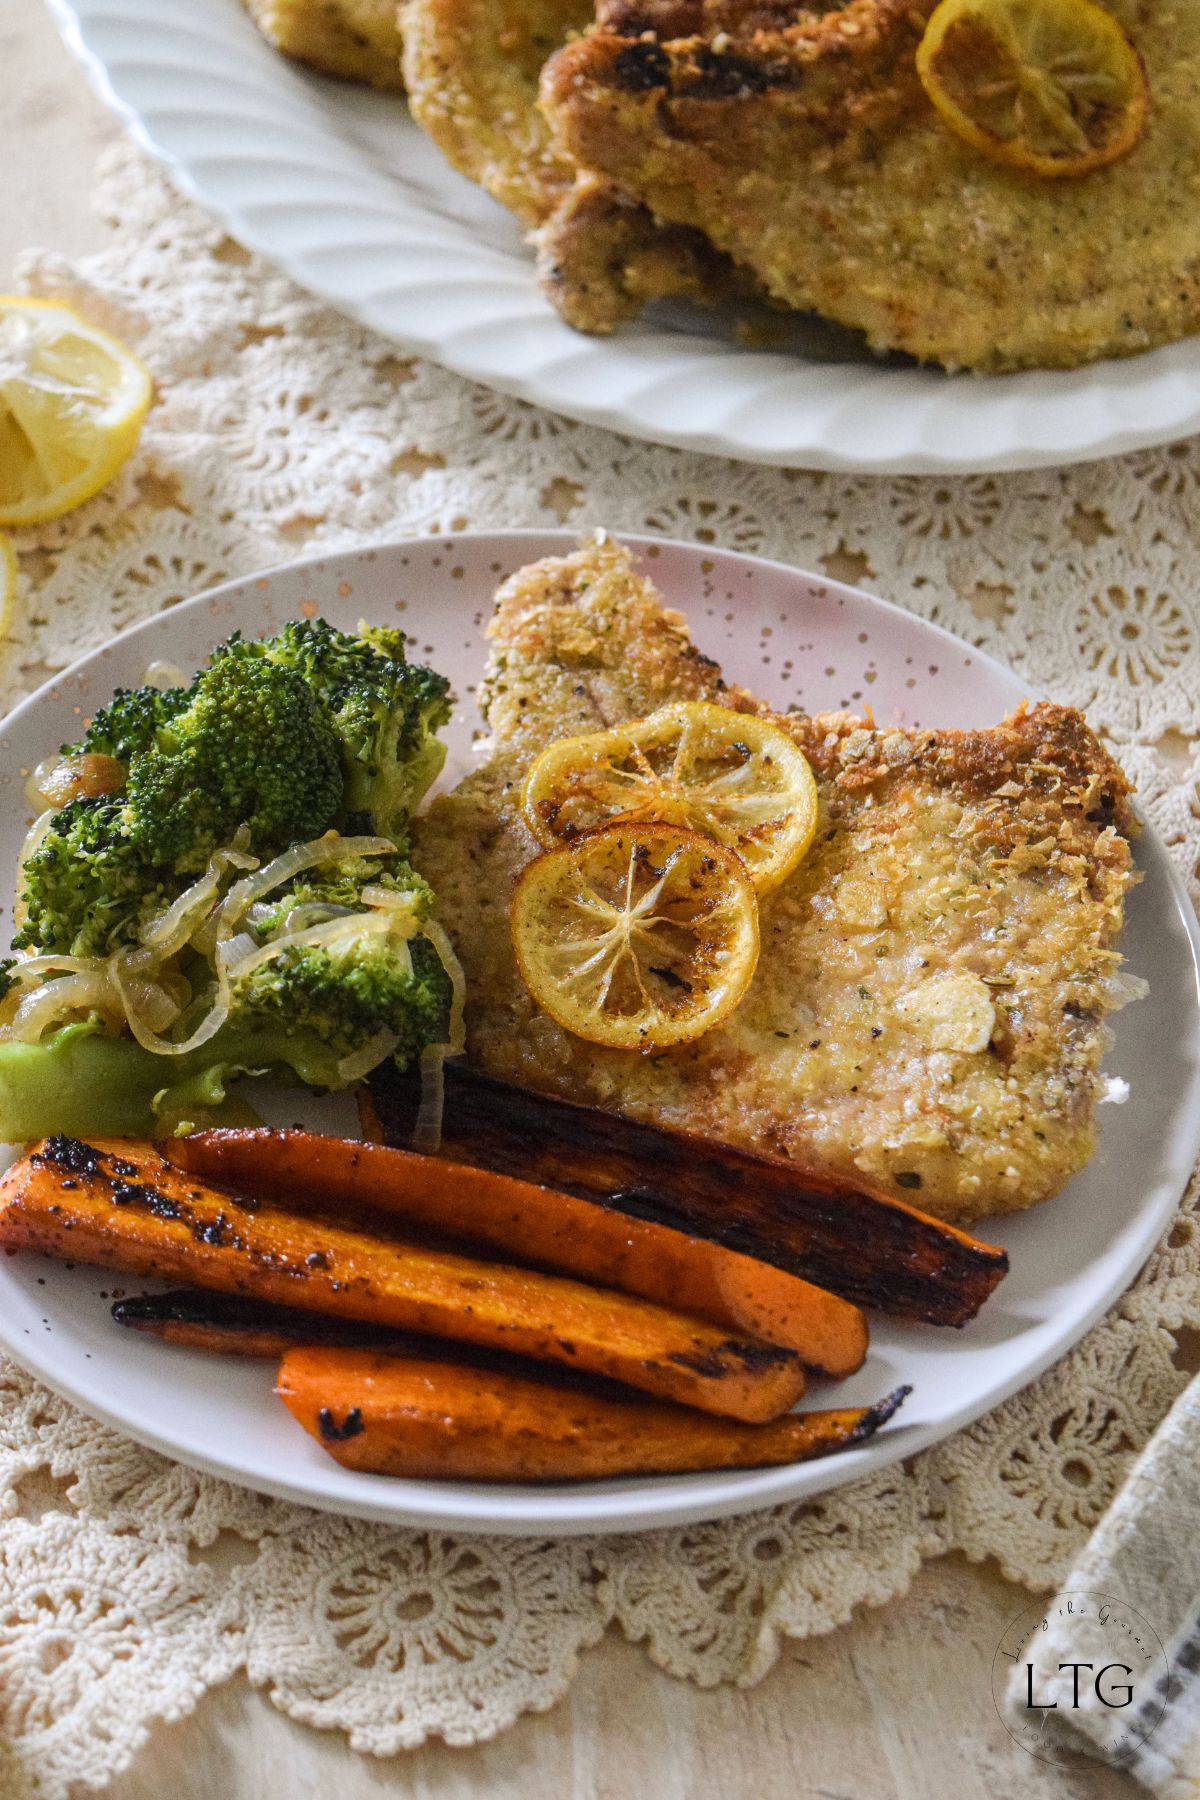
x: 737, y: 778
x: 1051, y: 86
x: 72, y: 402
x: 636, y: 936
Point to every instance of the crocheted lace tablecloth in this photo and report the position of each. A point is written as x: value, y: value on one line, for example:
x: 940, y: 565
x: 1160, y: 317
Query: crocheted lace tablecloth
x: 129, y: 1585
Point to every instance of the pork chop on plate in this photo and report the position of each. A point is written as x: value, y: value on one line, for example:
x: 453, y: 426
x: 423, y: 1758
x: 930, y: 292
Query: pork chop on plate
x: 928, y: 1009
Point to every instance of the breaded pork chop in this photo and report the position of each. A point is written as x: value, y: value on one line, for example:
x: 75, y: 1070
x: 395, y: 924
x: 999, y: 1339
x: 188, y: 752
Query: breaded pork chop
x: 356, y: 39
x: 472, y: 69
x: 602, y: 257
x: 929, y: 1003
x: 803, y: 145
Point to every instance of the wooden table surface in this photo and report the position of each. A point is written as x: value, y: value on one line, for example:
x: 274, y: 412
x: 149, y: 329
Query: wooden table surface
x: 896, y: 1706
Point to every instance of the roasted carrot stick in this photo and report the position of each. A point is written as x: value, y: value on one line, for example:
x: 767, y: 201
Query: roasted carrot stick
x: 535, y: 1225
x: 123, y: 1205
x: 870, y: 1248
x: 239, y: 1325
x: 258, y: 1330
x: 400, y: 1416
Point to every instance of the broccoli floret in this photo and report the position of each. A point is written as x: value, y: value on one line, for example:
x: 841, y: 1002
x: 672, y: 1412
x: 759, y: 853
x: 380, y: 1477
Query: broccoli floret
x: 129, y: 722
x: 325, y: 1001
x: 340, y: 884
x: 255, y: 747
x: 385, y: 710
x: 87, y: 887
x: 293, y: 1020
x: 312, y: 1007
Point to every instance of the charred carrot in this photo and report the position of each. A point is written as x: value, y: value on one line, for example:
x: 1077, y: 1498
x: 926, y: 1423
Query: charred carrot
x: 869, y: 1247
x: 124, y: 1205
x: 588, y: 1239
x: 239, y: 1325
x: 391, y: 1416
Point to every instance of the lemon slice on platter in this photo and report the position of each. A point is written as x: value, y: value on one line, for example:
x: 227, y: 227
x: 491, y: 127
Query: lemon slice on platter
x: 636, y: 936
x: 72, y: 402
x: 734, y: 777
x: 1053, y: 87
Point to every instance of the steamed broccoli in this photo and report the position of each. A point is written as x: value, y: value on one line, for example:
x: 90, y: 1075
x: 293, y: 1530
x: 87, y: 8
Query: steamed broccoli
x: 87, y: 887
x: 308, y: 731
x: 309, y: 1008
x: 127, y: 725
x: 384, y: 709
x: 254, y: 747
x: 275, y: 743
x: 319, y: 1003
x: 295, y: 1018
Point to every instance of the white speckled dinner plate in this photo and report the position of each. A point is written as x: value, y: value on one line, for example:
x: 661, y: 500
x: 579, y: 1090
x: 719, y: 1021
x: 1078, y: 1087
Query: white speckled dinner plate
x: 796, y: 639
x: 338, y: 187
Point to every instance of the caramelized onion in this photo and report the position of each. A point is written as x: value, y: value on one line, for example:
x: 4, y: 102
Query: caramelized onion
x: 88, y: 776
x: 29, y: 847
x: 457, y: 1031
x: 28, y: 966
x: 126, y: 980
x: 427, y: 1126
x: 175, y: 927
x: 238, y: 962
x: 294, y: 862
x: 361, y: 1062
x: 164, y: 675
x: 55, y: 1000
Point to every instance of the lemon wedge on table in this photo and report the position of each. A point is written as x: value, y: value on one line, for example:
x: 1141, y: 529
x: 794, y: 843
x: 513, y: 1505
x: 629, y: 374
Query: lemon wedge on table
x: 8, y: 584
x: 1053, y: 87
x: 72, y: 402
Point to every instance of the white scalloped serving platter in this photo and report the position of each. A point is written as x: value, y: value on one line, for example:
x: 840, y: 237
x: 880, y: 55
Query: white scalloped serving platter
x: 340, y: 189
x: 798, y: 640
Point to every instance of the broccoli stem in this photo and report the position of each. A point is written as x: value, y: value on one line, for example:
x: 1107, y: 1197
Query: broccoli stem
x: 84, y: 1083
x: 79, y: 1082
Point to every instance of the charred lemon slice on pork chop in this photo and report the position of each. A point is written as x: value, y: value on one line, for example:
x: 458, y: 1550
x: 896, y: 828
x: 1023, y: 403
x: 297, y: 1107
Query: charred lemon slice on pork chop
x: 636, y: 936
x: 1050, y: 86
x: 732, y: 776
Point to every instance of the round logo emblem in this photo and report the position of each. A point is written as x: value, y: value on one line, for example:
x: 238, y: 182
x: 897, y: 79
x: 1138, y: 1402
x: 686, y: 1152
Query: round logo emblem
x: 1081, y: 1677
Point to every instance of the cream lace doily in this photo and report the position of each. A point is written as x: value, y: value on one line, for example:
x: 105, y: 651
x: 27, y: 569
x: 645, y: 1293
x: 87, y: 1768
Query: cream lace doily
x: 129, y: 1585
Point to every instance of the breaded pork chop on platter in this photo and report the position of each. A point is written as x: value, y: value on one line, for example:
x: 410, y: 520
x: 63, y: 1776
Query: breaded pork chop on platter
x: 929, y: 1004
x: 472, y: 69
x: 801, y: 141
x: 356, y: 40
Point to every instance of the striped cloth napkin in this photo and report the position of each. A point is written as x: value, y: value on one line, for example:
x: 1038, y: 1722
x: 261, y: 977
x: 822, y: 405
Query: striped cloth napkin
x: 1108, y: 1669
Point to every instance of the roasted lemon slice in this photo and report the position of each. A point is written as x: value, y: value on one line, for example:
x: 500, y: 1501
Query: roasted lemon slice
x: 636, y: 936
x: 734, y: 777
x: 1051, y: 86
x: 72, y: 402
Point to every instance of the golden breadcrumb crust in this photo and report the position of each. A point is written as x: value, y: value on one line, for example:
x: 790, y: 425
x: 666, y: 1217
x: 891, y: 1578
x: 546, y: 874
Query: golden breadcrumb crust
x: 356, y: 39
x: 472, y: 68
x: 929, y: 1006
